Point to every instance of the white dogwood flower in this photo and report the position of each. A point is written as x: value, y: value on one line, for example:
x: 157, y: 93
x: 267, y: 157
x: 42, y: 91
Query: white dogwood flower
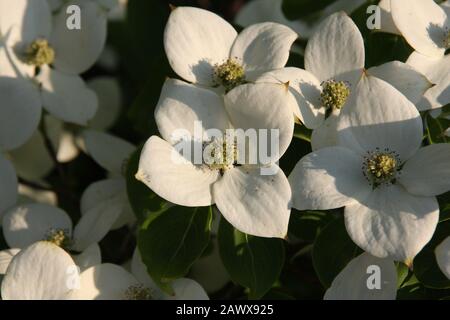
x: 334, y: 64
x: 253, y: 203
x: 443, y: 256
x: 42, y: 271
x: 45, y: 57
x: 424, y: 24
x: 112, y: 282
x: 365, y: 278
x: 30, y: 222
x: 203, y: 48
x: 379, y: 173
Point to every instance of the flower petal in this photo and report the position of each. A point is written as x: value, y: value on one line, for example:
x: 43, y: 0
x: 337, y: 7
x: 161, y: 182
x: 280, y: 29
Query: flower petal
x: 263, y: 47
x: 90, y: 257
x: 97, y: 221
x: 6, y: 257
x: 195, y: 40
x: 438, y: 71
x: 8, y: 185
x: 182, y: 104
x: 427, y: 173
x: 422, y: 23
x: 326, y: 134
x: 39, y: 272
x: 306, y: 90
x: 28, y: 223
x: 174, y: 178
x: 443, y: 256
x: 108, y: 151
x: 66, y: 96
x: 392, y: 223
x: 352, y: 283
x: 104, y: 282
x: 336, y: 50
x: 379, y: 116
x: 78, y: 49
x: 20, y: 112
x: 187, y: 289
x: 328, y: 178
x: 254, y: 203
x: 109, y: 101
x: 404, y: 78
x: 263, y: 106
x: 386, y: 22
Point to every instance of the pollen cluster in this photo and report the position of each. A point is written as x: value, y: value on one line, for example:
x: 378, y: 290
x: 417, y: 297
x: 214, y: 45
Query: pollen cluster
x: 60, y: 237
x: 334, y: 94
x: 39, y: 53
x: 229, y: 74
x: 220, y: 154
x: 381, y: 167
x: 138, y: 292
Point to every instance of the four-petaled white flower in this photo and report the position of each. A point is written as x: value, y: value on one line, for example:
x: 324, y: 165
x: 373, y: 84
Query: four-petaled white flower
x: 334, y: 64
x: 253, y: 203
x: 203, y: 48
x: 379, y: 173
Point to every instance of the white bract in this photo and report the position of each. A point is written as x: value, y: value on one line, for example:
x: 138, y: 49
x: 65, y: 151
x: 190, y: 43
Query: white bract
x: 107, y: 200
x: 379, y: 173
x: 442, y: 252
x: 365, y: 278
x: 334, y: 64
x: 112, y: 282
x: 39, y: 272
x: 203, y: 48
x: 253, y: 203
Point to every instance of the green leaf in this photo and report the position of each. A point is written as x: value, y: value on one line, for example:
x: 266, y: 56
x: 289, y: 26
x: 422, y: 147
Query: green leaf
x: 172, y: 241
x: 306, y: 225
x: 436, y: 129
x: 333, y: 250
x: 426, y: 268
x: 252, y: 262
x: 143, y: 200
x: 304, y: 9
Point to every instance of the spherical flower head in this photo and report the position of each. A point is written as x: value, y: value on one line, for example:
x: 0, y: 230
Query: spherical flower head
x: 229, y: 74
x: 220, y: 154
x: 334, y: 94
x: 40, y: 53
x: 59, y: 237
x: 381, y: 167
x: 138, y: 292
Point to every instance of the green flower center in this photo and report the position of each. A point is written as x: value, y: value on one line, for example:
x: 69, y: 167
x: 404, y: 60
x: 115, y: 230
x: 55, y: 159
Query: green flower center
x: 60, y: 237
x: 381, y: 167
x: 229, y: 74
x: 138, y: 292
x: 220, y: 154
x: 334, y: 94
x: 39, y: 53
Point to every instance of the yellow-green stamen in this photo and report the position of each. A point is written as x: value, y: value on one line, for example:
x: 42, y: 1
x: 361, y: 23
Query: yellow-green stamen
x: 39, y: 53
x: 220, y: 155
x: 229, y: 74
x: 138, y: 292
x: 60, y: 237
x: 334, y: 94
x: 381, y: 167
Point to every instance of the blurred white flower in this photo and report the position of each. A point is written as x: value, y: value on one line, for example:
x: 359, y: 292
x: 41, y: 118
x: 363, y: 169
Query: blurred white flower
x: 203, y: 48
x: 442, y: 252
x: 379, y: 173
x: 257, y: 11
x: 8, y: 185
x: 112, y: 282
x: 265, y: 209
x: 354, y: 282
